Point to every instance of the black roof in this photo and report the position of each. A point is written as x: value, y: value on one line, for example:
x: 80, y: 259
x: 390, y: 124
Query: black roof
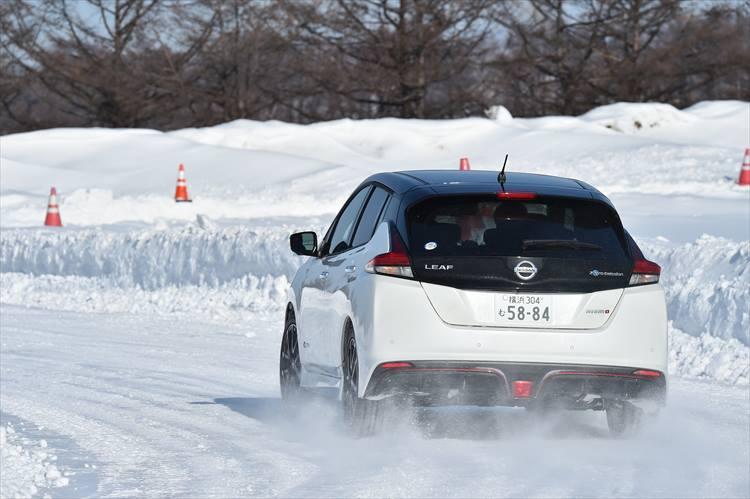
x: 476, y: 181
x: 433, y: 177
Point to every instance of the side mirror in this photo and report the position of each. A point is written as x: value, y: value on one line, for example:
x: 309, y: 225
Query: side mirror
x: 304, y: 243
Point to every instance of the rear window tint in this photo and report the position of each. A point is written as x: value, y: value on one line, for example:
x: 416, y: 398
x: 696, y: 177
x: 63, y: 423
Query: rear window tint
x: 487, y: 226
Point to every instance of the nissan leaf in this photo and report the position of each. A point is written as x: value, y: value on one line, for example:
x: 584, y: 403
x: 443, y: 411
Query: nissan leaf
x: 461, y: 288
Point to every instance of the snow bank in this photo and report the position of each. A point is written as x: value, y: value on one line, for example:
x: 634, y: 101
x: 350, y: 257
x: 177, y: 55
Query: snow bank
x: 705, y: 173
x: 96, y: 206
x: 237, y: 301
x: 707, y: 284
x: 718, y: 109
x: 136, y: 162
x: 232, y: 274
x: 241, y: 301
x: 708, y: 357
x: 630, y: 117
x: 499, y: 114
x: 26, y: 465
x: 151, y: 258
x: 250, y: 169
x: 716, y: 123
x: 702, y: 173
x: 83, y: 207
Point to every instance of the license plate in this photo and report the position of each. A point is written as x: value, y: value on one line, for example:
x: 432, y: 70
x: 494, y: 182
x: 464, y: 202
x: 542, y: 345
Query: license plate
x: 523, y: 310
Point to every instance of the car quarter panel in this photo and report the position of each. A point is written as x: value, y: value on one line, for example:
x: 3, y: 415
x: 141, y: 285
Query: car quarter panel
x: 352, y: 295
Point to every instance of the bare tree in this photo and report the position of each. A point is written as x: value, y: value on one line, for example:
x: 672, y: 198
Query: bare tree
x: 170, y: 64
x: 553, y: 44
x: 633, y: 31
x: 241, y: 65
x: 703, y: 56
x: 386, y: 56
x: 95, y: 67
x: 12, y: 80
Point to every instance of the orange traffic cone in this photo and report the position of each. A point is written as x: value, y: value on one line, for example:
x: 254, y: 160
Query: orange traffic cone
x: 464, y: 164
x: 181, y: 194
x: 53, y: 212
x: 745, y: 170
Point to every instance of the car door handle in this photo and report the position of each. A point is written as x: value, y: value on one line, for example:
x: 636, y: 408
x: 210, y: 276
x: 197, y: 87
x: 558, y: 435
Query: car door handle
x: 324, y: 275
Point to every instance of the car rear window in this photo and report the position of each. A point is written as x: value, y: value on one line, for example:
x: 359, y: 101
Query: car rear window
x: 487, y: 226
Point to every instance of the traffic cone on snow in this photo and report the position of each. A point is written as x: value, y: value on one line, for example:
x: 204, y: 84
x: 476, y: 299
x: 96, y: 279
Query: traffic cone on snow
x: 464, y: 164
x: 745, y: 170
x: 53, y: 211
x: 181, y: 194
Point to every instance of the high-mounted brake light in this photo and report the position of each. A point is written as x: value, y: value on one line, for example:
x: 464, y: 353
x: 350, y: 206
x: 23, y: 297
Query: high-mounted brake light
x: 516, y: 195
x: 644, y: 272
x: 395, y: 263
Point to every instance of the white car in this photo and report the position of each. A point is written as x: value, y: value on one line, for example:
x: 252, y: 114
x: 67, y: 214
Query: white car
x: 451, y: 287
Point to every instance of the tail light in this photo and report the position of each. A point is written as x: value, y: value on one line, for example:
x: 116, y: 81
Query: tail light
x: 644, y: 272
x: 395, y: 263
x: 396, y: 365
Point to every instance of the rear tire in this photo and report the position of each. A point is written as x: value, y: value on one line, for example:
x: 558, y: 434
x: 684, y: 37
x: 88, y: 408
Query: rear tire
x: 623, y: 418
x: 361, y: 416
x: 290, y: 366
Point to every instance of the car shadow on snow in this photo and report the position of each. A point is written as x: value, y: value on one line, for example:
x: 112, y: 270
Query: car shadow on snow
x: 462, y: 423
x: 268, y: 410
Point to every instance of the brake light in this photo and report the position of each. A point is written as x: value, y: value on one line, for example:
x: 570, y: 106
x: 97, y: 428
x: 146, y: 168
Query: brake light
x: 396, y: 365
x: 644, y: 272
x: 394, y: 263
x: 516, y: 195
x: 647, y: 373
x: 522, y: 389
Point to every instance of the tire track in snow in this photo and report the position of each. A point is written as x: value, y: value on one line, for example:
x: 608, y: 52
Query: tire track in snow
x: 141, y: 426
x: 183, y: 408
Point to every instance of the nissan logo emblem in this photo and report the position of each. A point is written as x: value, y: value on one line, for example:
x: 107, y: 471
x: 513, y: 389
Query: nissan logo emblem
x: 525, y: 270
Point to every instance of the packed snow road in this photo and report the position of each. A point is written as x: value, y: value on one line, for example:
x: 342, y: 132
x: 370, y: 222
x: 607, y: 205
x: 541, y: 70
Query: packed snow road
x: 171, y: 407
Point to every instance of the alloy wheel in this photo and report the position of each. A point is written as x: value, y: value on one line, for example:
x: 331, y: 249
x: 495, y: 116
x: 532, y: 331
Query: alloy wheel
x: 289, y: 363
x: 351, y: 379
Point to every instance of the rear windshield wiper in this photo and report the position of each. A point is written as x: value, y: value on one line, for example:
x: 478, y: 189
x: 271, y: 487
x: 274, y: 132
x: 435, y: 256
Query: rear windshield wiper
x: 559, y: 243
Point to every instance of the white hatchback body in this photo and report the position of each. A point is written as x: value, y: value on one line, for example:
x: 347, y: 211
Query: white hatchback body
x: 405, y: 325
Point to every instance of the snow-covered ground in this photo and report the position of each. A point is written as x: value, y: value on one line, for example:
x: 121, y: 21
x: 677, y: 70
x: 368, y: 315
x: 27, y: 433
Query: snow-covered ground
x: 146, y: 332
x: 189, y: 408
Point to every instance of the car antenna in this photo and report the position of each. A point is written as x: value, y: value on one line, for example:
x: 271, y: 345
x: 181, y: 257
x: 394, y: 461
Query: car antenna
x: 501, y: 176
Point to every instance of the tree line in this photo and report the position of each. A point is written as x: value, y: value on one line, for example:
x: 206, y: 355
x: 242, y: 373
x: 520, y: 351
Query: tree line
x: 170, y: 64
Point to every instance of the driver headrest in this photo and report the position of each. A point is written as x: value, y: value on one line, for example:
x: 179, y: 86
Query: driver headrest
x: 511, y: 210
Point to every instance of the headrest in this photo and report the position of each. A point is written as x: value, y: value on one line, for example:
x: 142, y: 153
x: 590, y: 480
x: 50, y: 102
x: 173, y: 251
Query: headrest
x: 510, y: 211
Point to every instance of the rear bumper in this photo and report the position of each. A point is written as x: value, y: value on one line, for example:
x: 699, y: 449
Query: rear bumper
x: 402, y: 325
x: 571, y: 386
